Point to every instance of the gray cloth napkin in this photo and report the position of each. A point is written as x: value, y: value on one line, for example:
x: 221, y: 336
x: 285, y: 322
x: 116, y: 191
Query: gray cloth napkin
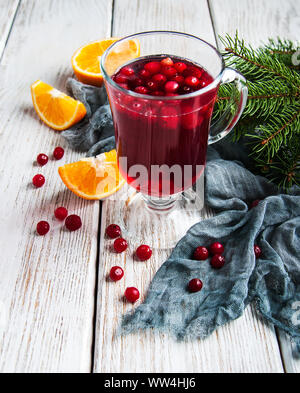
x: 273, y: 280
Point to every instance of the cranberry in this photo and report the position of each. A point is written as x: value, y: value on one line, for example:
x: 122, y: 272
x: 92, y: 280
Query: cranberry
x: 58, y: 153
x: 191, y: 81
x: 160, y: 79
x: 153, y: 67
x: 255, y: 203
x: 186, y: 90
x: 42, y: 159
x: 180, y: 67
x: 217, y: 261
x: 42, y: 228
x: 169, y: 71
x: 191, y: 120
x: 145, y: 74
x: 61, y: 213
x: 124, y: 85
x: 132, y: 294
x: 116, y: 273
x: 128, y: 71
x: 257, y: 251
x: 121, y: 78
x: 167, y: 62
x: 216, y: 248
x: 141, y: 90
x: 120, y: 245
x: 73, y: 222
x: 158, y: 93
x: 171, y: 87
x: 38, y: 180
x: 195, y: 285
x: 201, y: 253
x: 152, y: 85
x: 179, y: 79
x: 203, y: 84
x: 192, y: 71
x: 113, y: 231
x: 135, y: 81
x: 143, y: 252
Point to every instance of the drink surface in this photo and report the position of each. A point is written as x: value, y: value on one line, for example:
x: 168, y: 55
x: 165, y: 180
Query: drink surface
x: 163, y: 141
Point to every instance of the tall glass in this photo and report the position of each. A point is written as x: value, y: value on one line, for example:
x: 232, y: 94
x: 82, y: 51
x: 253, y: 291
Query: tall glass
x: 162, y: 141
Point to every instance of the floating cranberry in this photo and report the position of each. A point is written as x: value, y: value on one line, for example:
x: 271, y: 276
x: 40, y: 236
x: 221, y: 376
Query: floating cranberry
x: 124, y: 85
x: 144, y: 74
x: 254, y: 203
x: 73, y: 222
x: 121, y: 78
x: 171, y: 87
x: 128, y: 71
x: 120, y: 245
x: 42, y: 159
x: 116, y: 273
x: 135, y: 81
x: 203, y: 83
x: 179, y: 79
x: 58, y: 153
x: 257, y: 251
x: 152, y: 86
x: 186, y: 90
x: 217, y: 261
x: 132, y: 294
x: 42, y: 228
x: 38, y: 180
x: 195, y: 285
x: 61, y: 213
x: 143, y: 252
x: 160, y: 79
x: 193, y: 71
x: 167, y: 62
x: 216, y: 248
x: 153, y: 67
x: 201, y: 253
x: 180, y: 67
x: 169, y: 71
x: 191, y: 81
x: 141, y: 90
x: 113, y: 231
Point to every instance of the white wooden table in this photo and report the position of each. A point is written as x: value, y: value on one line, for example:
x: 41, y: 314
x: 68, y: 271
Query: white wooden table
x: 57, y: 311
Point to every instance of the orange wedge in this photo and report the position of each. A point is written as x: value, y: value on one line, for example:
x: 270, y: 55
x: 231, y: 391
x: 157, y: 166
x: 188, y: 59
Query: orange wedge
x: 86, y: 60
x: 94, y: 177
x: 55, y: 108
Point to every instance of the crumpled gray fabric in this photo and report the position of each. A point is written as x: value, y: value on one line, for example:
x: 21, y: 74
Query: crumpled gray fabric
x: 95, y: 133
x: 273, y: 280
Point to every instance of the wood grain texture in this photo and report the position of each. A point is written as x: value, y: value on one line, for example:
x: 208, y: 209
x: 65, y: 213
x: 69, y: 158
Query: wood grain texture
x: 46, y: 283
x: 270, y: 19
x: 8, y: 9
x: 245, y: 345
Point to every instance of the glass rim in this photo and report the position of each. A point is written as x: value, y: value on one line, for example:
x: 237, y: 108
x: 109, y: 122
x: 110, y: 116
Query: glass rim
x: 206, y: 89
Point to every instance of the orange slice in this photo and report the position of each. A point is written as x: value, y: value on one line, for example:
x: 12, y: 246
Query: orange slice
x: 86, y: 60
x: 94, y: 177
x: 55, y: 108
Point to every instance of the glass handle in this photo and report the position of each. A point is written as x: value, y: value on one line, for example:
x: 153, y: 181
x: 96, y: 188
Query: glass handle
x: 238, y: 101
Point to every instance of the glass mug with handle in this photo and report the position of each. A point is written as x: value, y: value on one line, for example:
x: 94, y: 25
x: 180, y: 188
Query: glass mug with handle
x: 162, y: 104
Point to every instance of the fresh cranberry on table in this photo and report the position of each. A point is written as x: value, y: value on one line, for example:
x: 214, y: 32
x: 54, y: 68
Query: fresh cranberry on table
x: 61, y: 213
x: 153, y: 67
x: 143, y: 252
x: 38, y: 180
x: 132, y: 294
x: 217, y: 261
x: 73, y: 222
x: 42, y: 228
x: 120, y: 245
x: 58, y: 153
x: 116, y: 273
x: 257, y: 251
x: 42, y: 159
x: 113, y: 231
x: 195, y: 285
x: 201, y: 253
x: 216, y: 248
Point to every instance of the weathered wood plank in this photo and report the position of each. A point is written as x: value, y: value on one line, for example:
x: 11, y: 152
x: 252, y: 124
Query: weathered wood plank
x: 8, y: 9
x: 46, y: 283
x: 270, y: 20
x: 245, y: 345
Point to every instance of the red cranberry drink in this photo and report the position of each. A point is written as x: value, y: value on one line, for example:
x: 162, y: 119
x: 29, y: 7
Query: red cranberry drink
x: 162, y: 133
x: 162, y: 104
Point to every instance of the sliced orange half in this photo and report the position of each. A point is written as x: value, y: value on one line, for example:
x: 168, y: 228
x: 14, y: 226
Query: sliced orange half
x: 94, y: 177
x: 86, y: 60
x: 55, y: 108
